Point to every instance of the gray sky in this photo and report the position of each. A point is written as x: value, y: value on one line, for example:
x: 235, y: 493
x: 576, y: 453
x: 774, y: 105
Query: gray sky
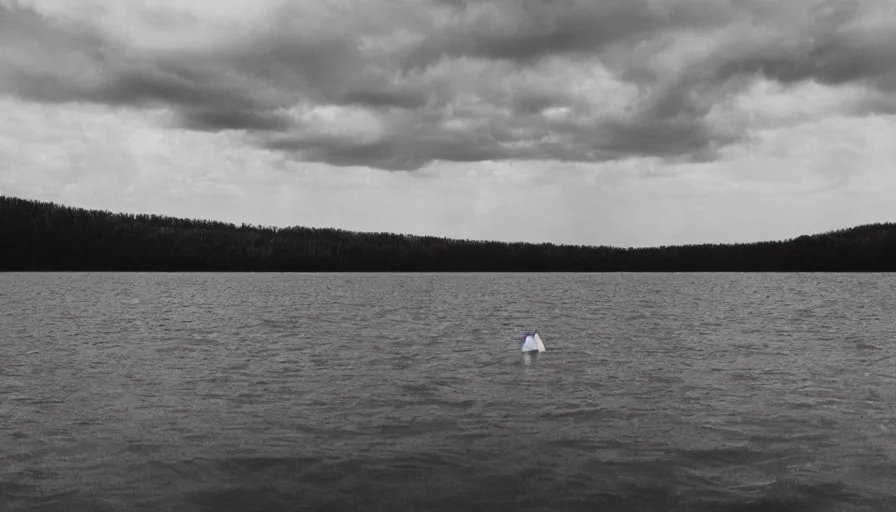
x: 620, y: 122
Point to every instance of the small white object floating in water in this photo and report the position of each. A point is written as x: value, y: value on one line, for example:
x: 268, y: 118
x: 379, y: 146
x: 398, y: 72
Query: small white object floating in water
x: 532, y: 343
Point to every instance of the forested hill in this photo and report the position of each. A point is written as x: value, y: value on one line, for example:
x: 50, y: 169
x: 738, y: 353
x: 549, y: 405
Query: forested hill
x: 39, y: 236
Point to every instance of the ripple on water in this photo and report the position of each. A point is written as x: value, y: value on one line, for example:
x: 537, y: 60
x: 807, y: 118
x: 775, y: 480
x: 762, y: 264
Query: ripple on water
x: 395, y: 392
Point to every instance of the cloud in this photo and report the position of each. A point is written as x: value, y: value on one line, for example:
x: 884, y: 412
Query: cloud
x: 840, y: 44
x: 803, y: 171
x: 527, y: 30
x: 401, y: 84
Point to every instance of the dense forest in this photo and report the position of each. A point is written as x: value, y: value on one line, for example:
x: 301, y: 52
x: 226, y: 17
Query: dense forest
x: 40, y: 236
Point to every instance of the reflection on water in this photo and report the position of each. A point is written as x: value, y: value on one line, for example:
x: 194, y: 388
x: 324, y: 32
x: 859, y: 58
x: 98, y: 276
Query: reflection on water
x: 531, y: 357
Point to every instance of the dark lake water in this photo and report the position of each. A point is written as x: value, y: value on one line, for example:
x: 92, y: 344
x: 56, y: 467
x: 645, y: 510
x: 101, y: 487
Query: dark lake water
x: 276, y: 392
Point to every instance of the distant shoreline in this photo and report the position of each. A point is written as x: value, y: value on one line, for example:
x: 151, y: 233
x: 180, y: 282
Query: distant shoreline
x: 38, y: 236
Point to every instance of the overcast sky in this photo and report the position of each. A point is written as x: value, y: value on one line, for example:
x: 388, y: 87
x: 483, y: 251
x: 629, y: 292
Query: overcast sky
x: 618, y: 122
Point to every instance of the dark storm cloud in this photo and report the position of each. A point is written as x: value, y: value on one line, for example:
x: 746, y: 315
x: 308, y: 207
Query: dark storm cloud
x: 525, y: 30
x: 834, y: 60
x: 222, y: 119
x: 396, y: 153
x: 54, y: 62
x: 467, y: 80
x: 533, y: 102
x: 377, y: 98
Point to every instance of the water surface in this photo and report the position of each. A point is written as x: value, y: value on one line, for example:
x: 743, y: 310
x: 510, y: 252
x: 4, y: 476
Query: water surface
x: 247, y: 392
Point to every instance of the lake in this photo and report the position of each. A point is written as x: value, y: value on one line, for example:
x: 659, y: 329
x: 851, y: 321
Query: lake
x: 276, y: 392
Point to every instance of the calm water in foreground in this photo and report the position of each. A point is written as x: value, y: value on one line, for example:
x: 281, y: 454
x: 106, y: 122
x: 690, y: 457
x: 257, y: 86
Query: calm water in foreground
x: 280, y: 392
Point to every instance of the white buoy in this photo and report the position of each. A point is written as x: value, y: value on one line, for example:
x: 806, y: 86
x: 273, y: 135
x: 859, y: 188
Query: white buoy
x: 532, y: 343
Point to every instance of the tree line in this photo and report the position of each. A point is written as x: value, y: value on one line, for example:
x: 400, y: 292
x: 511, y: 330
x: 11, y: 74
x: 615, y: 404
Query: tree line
x: 43, y: 236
